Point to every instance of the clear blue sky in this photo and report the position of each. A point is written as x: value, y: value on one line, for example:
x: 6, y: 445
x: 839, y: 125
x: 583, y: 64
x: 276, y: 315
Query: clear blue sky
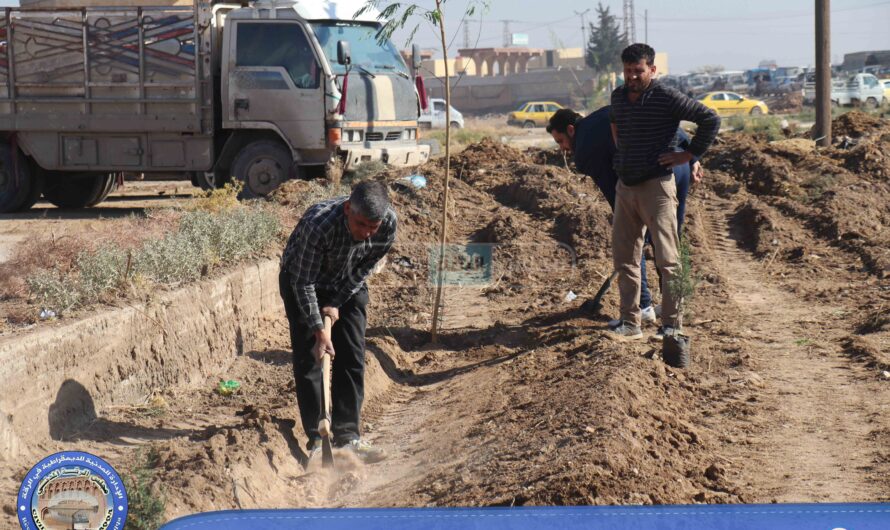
x: 734, y: 33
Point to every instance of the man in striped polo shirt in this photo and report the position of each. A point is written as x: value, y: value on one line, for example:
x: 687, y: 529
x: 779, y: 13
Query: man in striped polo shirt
x: 645, y: 117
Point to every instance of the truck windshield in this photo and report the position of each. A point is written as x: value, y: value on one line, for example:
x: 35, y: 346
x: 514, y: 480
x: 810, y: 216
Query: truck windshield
x: 366, y: 51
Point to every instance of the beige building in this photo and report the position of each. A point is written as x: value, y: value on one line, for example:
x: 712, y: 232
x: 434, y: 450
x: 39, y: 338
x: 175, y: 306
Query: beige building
x: 492, y: 62
x: 458, y: 66
x: 661, y: 63
x: 498, y: 62
x: 559, y: 58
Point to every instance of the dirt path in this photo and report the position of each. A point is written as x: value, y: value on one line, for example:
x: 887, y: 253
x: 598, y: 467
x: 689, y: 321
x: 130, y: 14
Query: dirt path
x: 816, y: 443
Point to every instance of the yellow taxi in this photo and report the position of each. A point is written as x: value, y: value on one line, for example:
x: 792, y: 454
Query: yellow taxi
x: 533, y: 114
x: 730, y: 103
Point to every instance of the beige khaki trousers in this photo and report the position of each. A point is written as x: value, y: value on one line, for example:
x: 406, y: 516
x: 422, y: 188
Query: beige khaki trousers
x: 651, y: 204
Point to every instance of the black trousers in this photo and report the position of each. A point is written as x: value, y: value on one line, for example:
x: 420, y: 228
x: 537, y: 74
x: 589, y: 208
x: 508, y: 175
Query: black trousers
x: 347, y: 369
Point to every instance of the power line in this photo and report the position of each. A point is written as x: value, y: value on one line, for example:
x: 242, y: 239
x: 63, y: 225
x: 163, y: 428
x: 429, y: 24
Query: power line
x: 766, y: 17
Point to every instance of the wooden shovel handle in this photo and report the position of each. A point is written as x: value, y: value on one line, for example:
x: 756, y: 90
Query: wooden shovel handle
x: 324, y: 426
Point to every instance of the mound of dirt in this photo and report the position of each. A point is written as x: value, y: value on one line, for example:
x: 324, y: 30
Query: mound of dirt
x: 866, y: 351
x: 875, y: 320
x: 758, y: 228
x: 856, y: 124
x: 505, y: 227
x: 582, y: 430
x: 856, y: 215
x: 868, y: 159
x: 487, y: 154
x: 551, y: 157
x: 752, y: 162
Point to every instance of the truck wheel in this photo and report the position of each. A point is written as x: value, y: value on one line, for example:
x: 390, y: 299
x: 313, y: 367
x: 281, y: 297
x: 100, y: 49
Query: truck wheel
x: 528, y: 125
x: 871, y: 103
x: 261, y: 166
x: 19, y: 188
x: 110, y: 186
x: 455, y: 125
x: 70, y: 191
x: 215, y: 181
x: 756, y: 111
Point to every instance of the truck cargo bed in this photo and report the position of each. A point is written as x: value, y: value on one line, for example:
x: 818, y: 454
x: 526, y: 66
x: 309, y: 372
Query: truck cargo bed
x: 104, y: 69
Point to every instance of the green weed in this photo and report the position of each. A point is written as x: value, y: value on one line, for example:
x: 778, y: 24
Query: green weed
x: 146, y: 502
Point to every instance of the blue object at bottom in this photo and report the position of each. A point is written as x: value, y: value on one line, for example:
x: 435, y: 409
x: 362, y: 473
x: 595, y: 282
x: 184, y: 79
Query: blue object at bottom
x: 705, y: 517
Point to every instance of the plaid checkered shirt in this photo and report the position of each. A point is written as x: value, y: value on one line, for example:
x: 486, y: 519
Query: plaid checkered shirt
x: 322, y: 256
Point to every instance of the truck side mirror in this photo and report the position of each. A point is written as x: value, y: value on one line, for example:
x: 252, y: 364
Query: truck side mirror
x: 344, y: 54
x: 415, y: 57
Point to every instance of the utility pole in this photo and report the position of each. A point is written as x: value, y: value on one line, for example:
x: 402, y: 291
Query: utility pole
x: 823, y: 73
x: 630, y: 27
x: 507, y: 36
x: 466, y: 34
x: 646, y: 24
x: 583, y: 15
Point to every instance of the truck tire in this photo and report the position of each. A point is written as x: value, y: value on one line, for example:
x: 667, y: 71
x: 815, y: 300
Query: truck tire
x: 871, y: 103
x: 261, y: 166
x: 455, y: 125
x: 19, y: 187
x: 110, y: 186
x: 37, y: 185
x: 71, y: 191
x: 218, y: 180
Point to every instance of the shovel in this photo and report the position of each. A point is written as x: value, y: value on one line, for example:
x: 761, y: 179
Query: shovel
x: 324, y: 422
x: 594, y: 305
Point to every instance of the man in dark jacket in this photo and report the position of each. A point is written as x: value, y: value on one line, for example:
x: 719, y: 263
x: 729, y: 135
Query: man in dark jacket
x: 590, y: 139
x: 645, y: 116
x: 324, y: 266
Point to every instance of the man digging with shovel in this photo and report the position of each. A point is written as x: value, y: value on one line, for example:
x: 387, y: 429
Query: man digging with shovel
x: 325, y: 264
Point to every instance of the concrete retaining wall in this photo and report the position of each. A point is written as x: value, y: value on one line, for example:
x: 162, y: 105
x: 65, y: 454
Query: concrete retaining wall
x: 54, y: 378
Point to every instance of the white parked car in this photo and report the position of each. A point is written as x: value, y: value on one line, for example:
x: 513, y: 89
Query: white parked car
x: 434, y: 116
x: 861, y: 89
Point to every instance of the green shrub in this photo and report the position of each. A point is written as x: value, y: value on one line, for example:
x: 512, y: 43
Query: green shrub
x: 171, y: 260
x: 242, y: 233
x: 204, y: 238
x: 100, y: 272
x: 146, y: 502
x: 54, y: 291
x: 767, y: 127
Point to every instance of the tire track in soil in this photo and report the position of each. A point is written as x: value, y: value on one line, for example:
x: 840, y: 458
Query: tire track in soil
x: 816, y: 445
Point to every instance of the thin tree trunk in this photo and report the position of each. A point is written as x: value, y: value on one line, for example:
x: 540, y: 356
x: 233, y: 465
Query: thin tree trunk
x: 444, y: 235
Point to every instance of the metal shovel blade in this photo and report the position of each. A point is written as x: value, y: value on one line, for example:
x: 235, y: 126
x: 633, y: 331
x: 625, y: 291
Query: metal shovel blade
x: 327, y: 453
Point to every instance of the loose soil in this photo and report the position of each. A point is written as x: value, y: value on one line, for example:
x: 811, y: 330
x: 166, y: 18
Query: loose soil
x: 525, y: 401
